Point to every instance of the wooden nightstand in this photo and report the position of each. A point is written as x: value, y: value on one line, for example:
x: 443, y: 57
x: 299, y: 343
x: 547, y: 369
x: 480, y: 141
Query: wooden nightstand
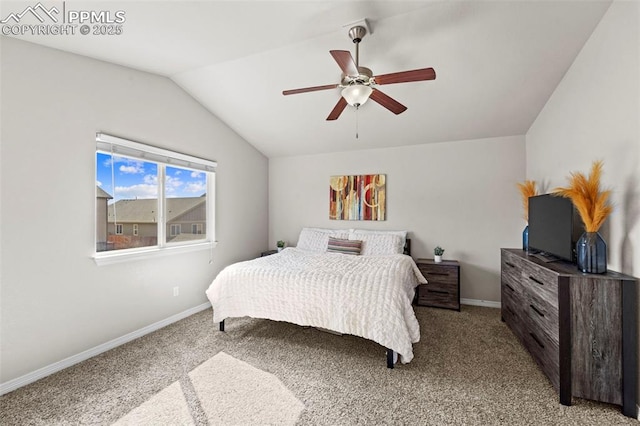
x: 443, y: 289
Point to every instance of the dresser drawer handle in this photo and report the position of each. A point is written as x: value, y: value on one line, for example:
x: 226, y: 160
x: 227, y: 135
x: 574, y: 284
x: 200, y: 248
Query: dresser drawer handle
x: 509, y: 287
x: 509, y: 264
x: 438, y: 291
x: 536, y: 339
x: 535, y: 280
x: 536, y: 310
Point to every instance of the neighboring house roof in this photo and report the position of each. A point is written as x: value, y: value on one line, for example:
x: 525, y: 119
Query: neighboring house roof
x: 145, y: 210
x: 101, y: 193
x: 187, y: 237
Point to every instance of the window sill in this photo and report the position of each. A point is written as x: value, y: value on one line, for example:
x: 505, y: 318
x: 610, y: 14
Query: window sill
x: 141, y: 254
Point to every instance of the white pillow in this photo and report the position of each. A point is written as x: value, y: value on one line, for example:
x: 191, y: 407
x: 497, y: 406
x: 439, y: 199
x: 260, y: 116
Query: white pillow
x: 358, y: 232
x: 379, y: 244
x: 316, y: 239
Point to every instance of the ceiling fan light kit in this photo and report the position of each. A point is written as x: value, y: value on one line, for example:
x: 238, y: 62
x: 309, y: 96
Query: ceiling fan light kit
x: 359, y: 84
x: 357, y: 94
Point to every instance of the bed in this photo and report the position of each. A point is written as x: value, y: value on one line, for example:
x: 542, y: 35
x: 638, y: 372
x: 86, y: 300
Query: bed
x: 324, y: 283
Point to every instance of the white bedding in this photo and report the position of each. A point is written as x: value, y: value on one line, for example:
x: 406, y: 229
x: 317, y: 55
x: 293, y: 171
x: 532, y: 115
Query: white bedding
x: 367, y: 296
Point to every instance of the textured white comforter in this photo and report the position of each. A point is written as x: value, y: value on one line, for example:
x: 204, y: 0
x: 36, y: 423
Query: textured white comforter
x: 367, y: 296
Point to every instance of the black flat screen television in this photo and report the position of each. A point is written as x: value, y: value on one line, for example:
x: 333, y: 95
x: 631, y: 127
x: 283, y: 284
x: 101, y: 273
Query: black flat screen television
x: 554, y: 226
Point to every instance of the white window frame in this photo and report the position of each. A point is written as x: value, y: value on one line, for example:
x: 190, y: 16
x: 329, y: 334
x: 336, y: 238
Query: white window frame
x: 114, y: 145
x: 119, y: 227
x: 173, y: 226
x: 197, y: 227
x: 135, y: 230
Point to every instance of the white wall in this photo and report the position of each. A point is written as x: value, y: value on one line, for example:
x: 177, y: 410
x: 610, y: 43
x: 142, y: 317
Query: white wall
x: 594, y: 113
x: 55, y: 301
x: 459, y: 195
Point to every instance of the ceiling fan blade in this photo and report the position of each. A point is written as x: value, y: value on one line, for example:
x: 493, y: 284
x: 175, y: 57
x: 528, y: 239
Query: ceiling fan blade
x: 309, y: 89
x: 337, y: 110
x: 387, y: 102
x: 406, y: 76
x: 345, y: 62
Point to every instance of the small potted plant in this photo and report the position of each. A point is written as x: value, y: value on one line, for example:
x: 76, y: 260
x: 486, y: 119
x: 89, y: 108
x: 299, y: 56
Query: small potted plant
x: 437, y: 253
x: 280, y: 244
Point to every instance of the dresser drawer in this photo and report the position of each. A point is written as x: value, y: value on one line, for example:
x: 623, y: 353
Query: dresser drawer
x: 545, y: 352
x: 543, y: 315
x: 513, y: 289
x: 540, y: 282
x: 511, y: 317
x: 511, y: 272
x: 511, y: 259
x: 510, y: 304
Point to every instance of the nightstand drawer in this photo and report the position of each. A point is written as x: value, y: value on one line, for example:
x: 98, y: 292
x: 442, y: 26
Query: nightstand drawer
x: 441, y: 274
x: 438, y: 296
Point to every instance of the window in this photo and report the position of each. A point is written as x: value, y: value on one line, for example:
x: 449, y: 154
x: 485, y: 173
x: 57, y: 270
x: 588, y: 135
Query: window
x: 145, y: 194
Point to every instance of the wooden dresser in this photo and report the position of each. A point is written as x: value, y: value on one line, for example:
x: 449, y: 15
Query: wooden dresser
x: 443, y: 289
x: 581, y: 329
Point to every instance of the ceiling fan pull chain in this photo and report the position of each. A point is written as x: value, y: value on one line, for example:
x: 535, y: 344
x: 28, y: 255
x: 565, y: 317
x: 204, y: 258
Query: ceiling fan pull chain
x: 357, y: 109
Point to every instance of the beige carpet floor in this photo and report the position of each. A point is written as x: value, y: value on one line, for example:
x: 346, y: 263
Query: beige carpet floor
x: 468, y: 369
x: 225, y: 389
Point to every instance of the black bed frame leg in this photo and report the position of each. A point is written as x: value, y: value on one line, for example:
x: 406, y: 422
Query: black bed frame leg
x: 389, y: 358
x: 222, y: 325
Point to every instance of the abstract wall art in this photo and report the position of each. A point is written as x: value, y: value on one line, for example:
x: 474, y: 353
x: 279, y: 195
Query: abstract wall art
x: 357, y: 197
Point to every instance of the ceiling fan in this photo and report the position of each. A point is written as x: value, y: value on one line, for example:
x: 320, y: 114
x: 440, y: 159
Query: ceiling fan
x: 359, y: 84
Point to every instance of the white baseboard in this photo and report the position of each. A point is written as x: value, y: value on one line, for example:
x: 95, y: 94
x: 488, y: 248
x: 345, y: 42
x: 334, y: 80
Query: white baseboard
x: 477, y: 302
x: 18, y: 382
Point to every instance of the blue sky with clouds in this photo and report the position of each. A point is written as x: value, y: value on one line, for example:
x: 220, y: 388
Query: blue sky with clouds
x: 135, y: 178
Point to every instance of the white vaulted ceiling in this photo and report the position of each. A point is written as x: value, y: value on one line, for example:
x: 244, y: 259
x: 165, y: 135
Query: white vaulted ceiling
x: 497, y: 63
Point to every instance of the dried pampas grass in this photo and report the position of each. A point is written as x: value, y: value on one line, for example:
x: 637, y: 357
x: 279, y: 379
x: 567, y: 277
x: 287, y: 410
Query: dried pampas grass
x: 527, y: 189
x: 585, y: 193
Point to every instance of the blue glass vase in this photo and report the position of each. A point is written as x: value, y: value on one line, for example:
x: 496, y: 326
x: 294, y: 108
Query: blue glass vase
x: 525, y: 238
x: 591, y: 253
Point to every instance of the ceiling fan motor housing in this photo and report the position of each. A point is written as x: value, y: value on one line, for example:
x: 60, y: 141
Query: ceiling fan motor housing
x: 365, y: 77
